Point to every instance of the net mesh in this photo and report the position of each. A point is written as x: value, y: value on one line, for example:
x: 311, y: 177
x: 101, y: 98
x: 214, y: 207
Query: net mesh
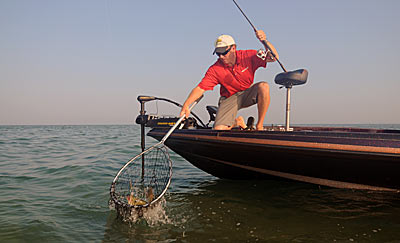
x: 141, y: 183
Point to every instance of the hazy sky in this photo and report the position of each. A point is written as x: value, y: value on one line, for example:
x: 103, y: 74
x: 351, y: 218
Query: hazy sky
x: 86, y: 61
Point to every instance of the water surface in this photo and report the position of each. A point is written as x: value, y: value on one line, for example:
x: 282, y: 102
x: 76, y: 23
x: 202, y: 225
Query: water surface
x: 54, y: 186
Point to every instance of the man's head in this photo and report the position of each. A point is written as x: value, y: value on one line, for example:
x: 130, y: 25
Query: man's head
x: 222, y: 43
x: 225, y: 48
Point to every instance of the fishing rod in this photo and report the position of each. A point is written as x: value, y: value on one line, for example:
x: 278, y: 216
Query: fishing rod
x: 264, y: 42
x: 286, y: 79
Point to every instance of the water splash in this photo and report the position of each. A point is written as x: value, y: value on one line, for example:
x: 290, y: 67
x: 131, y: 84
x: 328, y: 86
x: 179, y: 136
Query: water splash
x: 156, y: 214
x: 152, y: 215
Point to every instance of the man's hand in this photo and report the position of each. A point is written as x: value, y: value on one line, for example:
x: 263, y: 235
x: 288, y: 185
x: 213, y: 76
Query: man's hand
x: 184, y: 111
x: 196, y: 93
x: 261, y: 35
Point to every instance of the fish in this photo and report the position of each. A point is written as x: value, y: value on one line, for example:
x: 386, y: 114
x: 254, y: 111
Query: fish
x: 134, y: 201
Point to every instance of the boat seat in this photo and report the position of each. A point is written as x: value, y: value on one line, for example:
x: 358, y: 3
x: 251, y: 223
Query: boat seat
x: 292, y: 78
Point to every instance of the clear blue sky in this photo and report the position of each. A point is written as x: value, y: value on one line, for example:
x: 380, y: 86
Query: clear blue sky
x: 85, y: 62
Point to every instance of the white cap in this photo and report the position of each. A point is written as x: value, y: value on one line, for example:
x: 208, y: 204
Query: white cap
x: 222, y: 43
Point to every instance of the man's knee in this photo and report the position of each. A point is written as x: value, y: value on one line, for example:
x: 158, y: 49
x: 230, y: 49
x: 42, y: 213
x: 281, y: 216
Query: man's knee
x: 263, y: 87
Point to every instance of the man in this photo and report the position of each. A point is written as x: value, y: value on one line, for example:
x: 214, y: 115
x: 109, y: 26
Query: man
x: 234, y: 71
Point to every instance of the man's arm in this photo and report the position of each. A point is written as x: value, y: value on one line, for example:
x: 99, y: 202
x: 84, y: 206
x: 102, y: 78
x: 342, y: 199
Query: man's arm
x: 270, y: 57
x: 262, y: 37
x: 193, y: 96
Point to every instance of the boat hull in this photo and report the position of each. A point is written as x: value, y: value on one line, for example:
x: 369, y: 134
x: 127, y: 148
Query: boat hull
x: 344, y: 158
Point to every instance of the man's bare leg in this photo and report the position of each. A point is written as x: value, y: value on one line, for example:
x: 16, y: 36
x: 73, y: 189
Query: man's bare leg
x: 222, y: 127
x: 262, y: 104
x: 239, y: 122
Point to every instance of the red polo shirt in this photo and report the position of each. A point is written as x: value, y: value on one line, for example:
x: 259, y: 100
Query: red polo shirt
x: 236, y: 78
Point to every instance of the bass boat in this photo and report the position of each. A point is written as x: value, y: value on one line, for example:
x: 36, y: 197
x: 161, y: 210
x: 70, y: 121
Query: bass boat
x: 341, y: 157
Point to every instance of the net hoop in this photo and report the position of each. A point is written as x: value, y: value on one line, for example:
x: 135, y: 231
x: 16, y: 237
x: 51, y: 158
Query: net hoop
x: 120, y: 205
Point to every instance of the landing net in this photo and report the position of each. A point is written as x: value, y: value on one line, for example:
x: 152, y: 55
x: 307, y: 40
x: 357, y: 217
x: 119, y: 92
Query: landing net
x: 141, y: 183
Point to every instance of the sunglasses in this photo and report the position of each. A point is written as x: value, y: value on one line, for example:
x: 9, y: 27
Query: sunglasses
x: 224, y: 53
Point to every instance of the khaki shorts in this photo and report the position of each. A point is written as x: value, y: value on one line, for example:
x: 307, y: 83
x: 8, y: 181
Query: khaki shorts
x: 228, y: 107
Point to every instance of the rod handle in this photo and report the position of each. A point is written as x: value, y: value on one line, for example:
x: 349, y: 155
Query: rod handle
x: 265, y: 43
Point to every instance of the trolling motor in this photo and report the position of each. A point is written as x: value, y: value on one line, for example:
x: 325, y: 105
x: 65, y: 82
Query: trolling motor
x: 142, y: 119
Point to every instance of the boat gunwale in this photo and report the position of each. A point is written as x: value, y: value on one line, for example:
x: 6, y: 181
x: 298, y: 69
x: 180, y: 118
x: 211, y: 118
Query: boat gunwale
x: 295, y: 140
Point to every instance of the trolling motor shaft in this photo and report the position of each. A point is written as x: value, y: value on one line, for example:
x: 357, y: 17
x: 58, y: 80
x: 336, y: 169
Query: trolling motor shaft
x: 143, y: 99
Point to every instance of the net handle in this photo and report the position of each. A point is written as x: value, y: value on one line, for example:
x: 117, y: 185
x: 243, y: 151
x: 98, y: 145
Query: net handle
x: 179, y: 121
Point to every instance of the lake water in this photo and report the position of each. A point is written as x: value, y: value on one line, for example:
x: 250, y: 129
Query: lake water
x: 54, y: 187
